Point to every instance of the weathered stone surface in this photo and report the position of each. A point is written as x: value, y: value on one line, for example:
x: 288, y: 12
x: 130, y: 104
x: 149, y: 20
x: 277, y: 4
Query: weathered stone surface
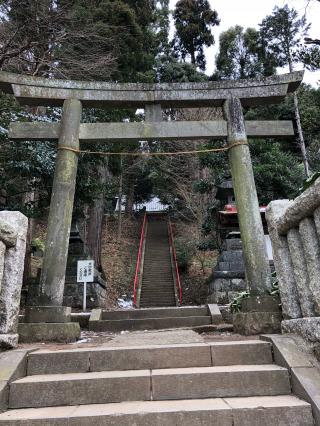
x: 266, y: 411
x: 282, y: 261
x: 306, y: 384
x: 311, y: 247
x: 47, y: 314
x: 215, y: 313
x: 256, y: 261
x: 252, y: 411
x: 59, y: 222
x: 286, y: 352
x: 308, y: 328
x: 121, y: 132
x: 261, y: 304
x: 13, y: 273
x: 316, y: 216
x: 300, y: 272
x: 2, y: 253
x: 302, y: 207
x: 8, y: 341
x: 241, y: 353
x: 233, y: 244
x: 252, y: 323
x: 8, y: 234
x: 232, y: 256
x: 224, y: 381
x: 48, y: 332
x: 213, y: 412
x: 164, y: 356
x: 13, y: 365
x: 81, y: 388
x: 58, y: 362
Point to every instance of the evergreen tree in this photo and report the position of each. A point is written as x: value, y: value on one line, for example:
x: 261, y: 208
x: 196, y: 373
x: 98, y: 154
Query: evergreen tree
x: 281, y: 34
x: 194, y: 20
x: 241, y: 55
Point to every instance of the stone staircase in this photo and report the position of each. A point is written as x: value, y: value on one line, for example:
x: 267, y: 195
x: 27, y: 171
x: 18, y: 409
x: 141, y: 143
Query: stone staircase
x: 157, y: 279
x: 217, y: 384
x: 153, y: 318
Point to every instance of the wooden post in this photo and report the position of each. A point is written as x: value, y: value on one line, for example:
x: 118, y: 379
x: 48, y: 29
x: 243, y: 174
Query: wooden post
x: 60, y: 216
x: 252, y: 235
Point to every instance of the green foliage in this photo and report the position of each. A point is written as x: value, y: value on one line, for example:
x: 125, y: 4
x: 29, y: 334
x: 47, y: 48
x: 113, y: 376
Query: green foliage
x: 185, y: 249
x: 193, y: 22
x: 241, y: 55
x: 236, y: 304
x: 275, y: 291
x: 38, y: 244
x: 282, y: 35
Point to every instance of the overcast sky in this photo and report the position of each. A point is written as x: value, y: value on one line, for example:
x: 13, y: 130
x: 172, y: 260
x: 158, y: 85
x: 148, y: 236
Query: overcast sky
x: 249, y: 13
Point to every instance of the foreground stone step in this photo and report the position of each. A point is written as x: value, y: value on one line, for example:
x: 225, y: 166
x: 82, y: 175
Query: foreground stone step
x: 166, y: 384
x: 257, y: 411
x: 155, y: 313
x: 149, y: 357
x: 149, y: 323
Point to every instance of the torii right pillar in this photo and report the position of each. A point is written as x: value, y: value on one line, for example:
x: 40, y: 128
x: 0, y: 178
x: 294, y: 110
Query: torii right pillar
x: 260, y: 312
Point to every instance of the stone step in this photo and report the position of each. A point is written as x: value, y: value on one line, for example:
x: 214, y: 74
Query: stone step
x: 149, y: 357
x: 284, y: 410
x: 149, y: 323
x: 143, y: 385
x: 156, y: 313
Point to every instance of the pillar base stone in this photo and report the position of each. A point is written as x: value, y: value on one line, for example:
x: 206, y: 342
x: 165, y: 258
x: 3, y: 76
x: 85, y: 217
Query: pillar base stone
x: 308, y: 328
x: 252, y: 323
x: 8, y: 341
x: 260, y: 315
x: 49, y: 332
x: 261, y: 304
x: 47, y: 314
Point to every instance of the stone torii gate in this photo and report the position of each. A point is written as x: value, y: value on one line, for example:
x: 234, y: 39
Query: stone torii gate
x: 73, y: 95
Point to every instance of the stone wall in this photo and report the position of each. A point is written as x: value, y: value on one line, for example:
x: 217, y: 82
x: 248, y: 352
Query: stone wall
x: 13, y: 234
x: 228, y: 277
x: 294, y: 228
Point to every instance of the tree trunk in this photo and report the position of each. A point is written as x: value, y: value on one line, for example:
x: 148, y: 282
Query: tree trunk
x: 130, y: 198
x: 120, y: 195
x: 96, y: 214
x: 300, y: 131
x: 300, y: 136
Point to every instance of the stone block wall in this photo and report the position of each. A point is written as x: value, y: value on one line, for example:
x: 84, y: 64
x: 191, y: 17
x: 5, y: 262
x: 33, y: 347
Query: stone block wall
x: 294, y: 228
x: 228, y: 277
x: 13, y: 234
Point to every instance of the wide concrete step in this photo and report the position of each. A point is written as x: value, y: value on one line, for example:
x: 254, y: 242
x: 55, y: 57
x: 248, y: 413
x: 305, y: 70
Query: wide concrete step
x: 156, y: 313
x: 149, y: 323
x: 144, y: 385
x: 284, y: 410
x: 149, y: 357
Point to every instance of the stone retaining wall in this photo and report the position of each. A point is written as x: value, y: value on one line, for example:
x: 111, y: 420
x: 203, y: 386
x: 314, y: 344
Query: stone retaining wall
x: 13, y: 234
x: 294, y: 228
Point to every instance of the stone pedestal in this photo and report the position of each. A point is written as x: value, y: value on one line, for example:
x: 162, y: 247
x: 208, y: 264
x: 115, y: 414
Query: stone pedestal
x: 228, y: 277
x: 260, y: 315
x: 48, y: 324
x: 47, y: 314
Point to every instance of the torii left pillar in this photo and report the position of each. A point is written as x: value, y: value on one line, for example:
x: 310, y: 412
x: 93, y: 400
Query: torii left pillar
x: 52, y: 278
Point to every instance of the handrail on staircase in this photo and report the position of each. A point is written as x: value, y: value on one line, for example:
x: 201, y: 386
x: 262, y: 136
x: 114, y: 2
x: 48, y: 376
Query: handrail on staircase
x: 139, y: 258
x: 175, y: 261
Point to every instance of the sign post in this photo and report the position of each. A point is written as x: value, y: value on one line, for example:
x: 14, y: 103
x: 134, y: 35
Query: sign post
x: 85, y: 274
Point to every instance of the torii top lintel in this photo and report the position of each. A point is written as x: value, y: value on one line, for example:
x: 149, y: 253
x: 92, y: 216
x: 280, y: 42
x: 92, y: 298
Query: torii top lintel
x: 30, y: 90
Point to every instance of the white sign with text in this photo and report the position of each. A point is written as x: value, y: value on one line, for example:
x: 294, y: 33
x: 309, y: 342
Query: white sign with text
x: 85, y: 274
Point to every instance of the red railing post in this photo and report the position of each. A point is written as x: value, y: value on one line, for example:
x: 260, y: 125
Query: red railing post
x: 138, y: 265
x: 175, y: 261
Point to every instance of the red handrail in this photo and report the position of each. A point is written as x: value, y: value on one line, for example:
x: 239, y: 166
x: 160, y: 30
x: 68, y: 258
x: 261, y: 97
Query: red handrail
x: 138, y: 265
x: 178, y: 282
